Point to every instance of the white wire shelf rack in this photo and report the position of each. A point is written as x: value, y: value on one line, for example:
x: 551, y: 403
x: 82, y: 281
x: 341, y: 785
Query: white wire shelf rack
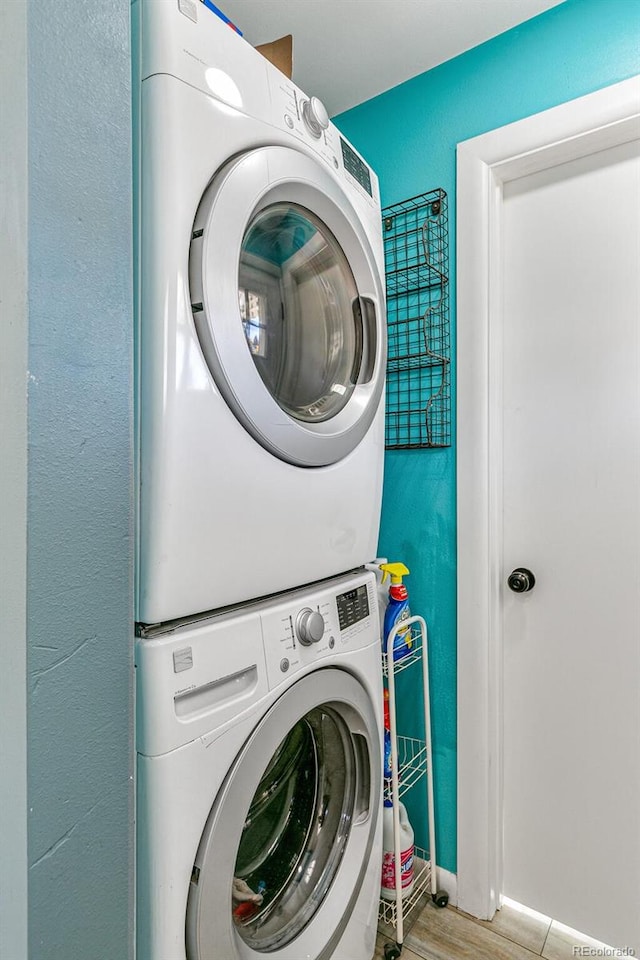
x: 388, y: 909
x: 414, y: 656
x: 412, y: 765
x: 411, y: 762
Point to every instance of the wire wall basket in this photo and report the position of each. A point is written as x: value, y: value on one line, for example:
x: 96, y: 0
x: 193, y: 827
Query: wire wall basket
x: 416, y: 248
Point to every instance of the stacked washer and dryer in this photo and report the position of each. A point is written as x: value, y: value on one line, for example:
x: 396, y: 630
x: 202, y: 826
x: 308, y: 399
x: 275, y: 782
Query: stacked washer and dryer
x: 261, y: 361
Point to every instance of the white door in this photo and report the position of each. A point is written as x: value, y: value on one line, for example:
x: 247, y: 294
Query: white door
x: 589, y: 345
x: 571, y: 514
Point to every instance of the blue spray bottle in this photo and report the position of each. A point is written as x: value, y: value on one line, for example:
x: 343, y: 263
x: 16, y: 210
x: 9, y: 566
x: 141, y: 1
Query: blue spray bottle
x: 397, y: 610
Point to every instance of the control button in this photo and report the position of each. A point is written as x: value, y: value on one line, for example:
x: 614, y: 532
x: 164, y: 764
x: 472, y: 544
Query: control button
x: 332, y: 642
x: 315, y: 116
x: 284, y: 664
x: 289, y: 121
x: 335, y: 162
x: 309, y: 626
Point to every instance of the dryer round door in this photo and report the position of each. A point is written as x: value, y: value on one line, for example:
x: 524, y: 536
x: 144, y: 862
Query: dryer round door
x: 288, y: 305
x: 288, y: 839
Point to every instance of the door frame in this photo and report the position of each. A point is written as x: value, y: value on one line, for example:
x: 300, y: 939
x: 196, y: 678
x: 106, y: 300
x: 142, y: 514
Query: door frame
x: 606, y: 118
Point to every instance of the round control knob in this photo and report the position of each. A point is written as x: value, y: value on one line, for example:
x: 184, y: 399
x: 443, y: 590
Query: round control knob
x: 315, y: 116
x: 309, y: 626
x: 521, y: 580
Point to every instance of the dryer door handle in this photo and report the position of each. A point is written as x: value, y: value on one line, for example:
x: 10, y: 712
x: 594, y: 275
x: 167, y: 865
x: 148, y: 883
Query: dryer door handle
x: 364, y: 314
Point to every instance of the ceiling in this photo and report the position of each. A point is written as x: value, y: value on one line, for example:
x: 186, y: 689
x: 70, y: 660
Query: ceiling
x: 347, y: 51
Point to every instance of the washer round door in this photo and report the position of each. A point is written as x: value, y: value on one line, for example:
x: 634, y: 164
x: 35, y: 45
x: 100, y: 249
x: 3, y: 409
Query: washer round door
x: 288, y: 305
x: 289, y: 837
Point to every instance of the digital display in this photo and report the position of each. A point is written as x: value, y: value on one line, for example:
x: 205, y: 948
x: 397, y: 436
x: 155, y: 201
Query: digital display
x: 354, y: 165
x: 352, y: 606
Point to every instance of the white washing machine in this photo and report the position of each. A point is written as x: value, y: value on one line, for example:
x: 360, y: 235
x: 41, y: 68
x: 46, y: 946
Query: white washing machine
x: 259, y: 780
x: 261, y: 347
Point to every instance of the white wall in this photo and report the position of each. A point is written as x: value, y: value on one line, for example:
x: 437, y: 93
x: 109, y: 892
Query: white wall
x: 13, y: 479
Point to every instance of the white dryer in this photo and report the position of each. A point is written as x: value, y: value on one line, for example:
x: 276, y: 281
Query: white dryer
x: 261, y: 347
x: 259, y: 780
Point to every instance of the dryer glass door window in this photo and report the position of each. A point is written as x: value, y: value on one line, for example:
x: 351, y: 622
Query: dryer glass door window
x: 297, y: 294
x: 295, y: 831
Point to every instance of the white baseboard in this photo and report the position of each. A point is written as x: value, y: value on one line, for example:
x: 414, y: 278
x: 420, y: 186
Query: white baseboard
x: 449, y: 882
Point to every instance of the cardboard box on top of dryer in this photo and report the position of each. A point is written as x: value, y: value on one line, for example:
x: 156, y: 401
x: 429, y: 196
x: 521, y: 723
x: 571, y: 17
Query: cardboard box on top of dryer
x: 279, y: 53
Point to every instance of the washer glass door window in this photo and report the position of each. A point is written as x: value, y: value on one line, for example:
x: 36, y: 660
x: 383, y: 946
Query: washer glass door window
x: 295, y: 832
x: 289, y: 837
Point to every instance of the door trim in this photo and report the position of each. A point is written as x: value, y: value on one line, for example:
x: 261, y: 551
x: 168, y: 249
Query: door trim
x: 595, y: 122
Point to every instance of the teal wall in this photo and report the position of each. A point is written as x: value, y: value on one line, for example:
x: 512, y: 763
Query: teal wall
x: 79, y: 478
x: 409, y: 136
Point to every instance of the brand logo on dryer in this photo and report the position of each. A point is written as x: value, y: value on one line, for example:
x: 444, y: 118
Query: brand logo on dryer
x: 182, y: 660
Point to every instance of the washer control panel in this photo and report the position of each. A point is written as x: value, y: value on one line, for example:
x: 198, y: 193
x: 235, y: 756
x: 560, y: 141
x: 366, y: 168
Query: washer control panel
x: 353, y: 607
x: 194, y: 678
x: 340, y: 618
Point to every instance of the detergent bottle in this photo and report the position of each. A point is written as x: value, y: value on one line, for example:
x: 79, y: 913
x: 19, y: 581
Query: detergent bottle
x: 388, y: 879
x: 387, y: 740
x: 397, y: 610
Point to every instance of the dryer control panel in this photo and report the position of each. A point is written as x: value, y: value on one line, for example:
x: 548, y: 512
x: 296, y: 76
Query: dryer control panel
x: 307, y: 119
x: 302, y: 632
x: 185, y: 40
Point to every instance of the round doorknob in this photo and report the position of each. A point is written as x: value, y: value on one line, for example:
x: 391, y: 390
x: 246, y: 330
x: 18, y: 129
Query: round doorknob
x: 521, y: 580
x: 309, y: 626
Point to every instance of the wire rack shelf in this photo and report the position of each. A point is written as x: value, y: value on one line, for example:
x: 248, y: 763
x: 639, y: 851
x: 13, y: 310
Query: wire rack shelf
x: 416, y: 246
x: 412, y: 765
x: 388, y: 909
x: 409, y: 659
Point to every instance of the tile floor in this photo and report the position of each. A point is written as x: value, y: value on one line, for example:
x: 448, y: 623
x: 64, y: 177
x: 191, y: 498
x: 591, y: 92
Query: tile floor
x: 451, y: 935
